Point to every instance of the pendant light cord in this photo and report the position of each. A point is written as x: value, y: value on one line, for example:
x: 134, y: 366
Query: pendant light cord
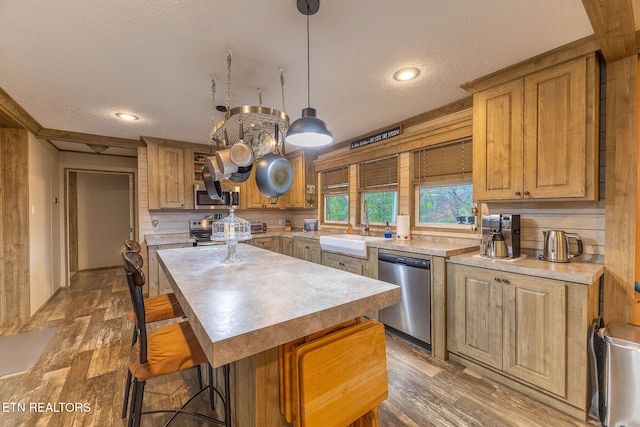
x: 308, y: 61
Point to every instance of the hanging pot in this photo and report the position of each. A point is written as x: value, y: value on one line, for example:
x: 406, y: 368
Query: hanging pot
x: 274, y: 175
x: 214, y: 189
x: 242, y: 175
x: 225, y: 164
x: 241, y: 154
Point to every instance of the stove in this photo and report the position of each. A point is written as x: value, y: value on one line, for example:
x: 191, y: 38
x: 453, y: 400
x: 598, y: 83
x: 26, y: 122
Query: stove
x: 200, y: 229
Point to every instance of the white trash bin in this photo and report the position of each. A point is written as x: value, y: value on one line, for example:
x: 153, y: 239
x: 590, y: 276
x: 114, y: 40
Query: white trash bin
x: 622, y: 375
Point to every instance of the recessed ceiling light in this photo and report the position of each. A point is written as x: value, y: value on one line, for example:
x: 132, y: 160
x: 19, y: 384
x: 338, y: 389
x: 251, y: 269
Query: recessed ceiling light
x: 127, y: 116
x: 406, y: 74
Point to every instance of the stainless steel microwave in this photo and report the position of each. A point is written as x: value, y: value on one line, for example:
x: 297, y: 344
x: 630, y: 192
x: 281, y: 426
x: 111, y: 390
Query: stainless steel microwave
x: 230, y: 196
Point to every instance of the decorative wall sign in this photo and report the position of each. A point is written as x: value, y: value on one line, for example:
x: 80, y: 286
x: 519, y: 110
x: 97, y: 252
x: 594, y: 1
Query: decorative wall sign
x: 380, y: 136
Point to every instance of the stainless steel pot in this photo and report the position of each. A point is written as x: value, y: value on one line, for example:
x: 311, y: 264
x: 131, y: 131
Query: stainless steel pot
x: 557, y: 246
x: 214, y: 189
x: 274, y: 175
x: 496, y: 247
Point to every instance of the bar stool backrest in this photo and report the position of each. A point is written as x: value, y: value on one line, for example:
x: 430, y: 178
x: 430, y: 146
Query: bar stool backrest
x: 132, y: 245
x: 135, y: 279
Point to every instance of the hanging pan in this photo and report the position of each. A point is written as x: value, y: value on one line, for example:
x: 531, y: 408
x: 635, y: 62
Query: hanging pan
x: 274, y: 174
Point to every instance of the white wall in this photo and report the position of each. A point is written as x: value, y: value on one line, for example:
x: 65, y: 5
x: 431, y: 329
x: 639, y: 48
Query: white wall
x: 103, y: 218
x: 86, y: 162
x: 44, y: 234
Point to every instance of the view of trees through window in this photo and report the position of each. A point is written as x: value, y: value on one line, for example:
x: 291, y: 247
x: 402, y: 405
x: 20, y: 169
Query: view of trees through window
x: 336, y: 207
x: 382, y: 206
x: 449, y: 204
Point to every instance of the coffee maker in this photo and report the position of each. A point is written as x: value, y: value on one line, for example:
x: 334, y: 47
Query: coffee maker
x: 500, y: 236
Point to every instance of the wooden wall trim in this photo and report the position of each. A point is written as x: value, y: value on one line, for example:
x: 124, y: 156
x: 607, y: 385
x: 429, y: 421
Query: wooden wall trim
x: 451, y: 127
x: 14, y: 116
x: 15, y: 221
x: 614, y: 27
x: 87, y: 138
x: 621, y: 190
x: 582, y: 47
x: 173, y: 143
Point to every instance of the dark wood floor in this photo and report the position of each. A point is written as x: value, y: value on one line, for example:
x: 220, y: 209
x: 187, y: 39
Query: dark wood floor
x: 85, y: 363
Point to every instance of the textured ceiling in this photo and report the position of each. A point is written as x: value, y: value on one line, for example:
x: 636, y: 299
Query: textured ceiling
x: 73, y: 63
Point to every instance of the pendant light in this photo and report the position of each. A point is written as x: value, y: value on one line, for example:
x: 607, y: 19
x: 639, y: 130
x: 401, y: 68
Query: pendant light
x: 309, y: 131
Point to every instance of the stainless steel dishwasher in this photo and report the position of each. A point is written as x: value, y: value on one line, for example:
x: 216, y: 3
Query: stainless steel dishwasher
x: 412, y: 315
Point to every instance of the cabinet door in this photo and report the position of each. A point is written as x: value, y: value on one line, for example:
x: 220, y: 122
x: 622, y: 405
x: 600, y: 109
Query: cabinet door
x: 478, y: 315
x: 166, y: 177
x: 308, y: 250
x: 264, y: 243
x: 555, y: 131
x: 342, y: 262
x: 295, y: 195
x: 286, y: 246
x: 534, y: 331
x: 497, y: 142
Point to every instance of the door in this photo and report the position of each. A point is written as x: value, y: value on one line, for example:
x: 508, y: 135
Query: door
x: 478, y: 315
x: 535, y: 321
x: 497, y: 142
x: 100, y: 216
x: 555, y: 132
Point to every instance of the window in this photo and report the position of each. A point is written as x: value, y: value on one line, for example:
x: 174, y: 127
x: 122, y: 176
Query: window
x: 442, y: 179
x: 378, y: 184
x: 335, y: 189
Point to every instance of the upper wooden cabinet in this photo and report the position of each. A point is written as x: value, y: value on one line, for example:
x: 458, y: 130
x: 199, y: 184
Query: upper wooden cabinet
x: 297, y: 196
x: 167, y: 177
x: 536, y: 137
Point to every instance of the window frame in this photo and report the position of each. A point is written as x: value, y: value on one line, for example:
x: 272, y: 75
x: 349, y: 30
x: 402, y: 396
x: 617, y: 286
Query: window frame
x: 454, y: 226
x: 324, y: 206
x: 381, y: 189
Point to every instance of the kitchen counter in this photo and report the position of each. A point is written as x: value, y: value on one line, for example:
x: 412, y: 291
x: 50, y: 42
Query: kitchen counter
x: 242, y: 313
x: 425, y: 247
x: 270, y: 299
x: 168, y: 239
x: 577, y: 272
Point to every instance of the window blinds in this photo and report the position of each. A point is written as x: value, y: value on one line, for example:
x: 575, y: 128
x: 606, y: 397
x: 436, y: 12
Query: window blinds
x: 336, y: 180
x: 378, y: 173
x: 443, y: 163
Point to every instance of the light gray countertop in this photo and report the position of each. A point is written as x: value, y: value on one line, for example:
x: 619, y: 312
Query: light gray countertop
x: 240, y: 310
x: 577, y: 272
x: 168, y: 239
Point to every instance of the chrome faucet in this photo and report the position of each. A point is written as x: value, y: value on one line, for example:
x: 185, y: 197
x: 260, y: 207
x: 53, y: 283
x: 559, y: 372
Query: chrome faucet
x: 364, y: 229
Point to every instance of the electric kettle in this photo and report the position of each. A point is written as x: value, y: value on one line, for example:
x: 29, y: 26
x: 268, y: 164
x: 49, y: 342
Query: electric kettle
x: 557, y: 247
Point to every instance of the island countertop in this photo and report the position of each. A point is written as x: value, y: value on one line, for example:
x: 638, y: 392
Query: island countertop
x: 269, y: 299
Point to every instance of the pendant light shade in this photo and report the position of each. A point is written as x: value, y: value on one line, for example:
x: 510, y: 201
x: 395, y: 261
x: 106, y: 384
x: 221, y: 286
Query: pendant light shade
x: 309, y: 131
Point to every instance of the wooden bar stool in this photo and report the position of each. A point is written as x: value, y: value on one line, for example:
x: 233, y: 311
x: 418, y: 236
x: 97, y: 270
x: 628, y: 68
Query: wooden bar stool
x: 158, y: 308
x: 167, y: 350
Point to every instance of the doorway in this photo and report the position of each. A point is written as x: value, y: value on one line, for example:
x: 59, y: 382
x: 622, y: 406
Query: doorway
x: 100, y: 216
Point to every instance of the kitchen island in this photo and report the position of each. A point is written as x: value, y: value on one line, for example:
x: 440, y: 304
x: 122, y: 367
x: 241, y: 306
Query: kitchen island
x: 242, y: 313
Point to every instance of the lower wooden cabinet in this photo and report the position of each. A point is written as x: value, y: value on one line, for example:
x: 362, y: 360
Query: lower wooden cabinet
x: 269, y: 243
x: 157, y: 281
x: 343, y: 262
x: 348, y: 263
x: 307, y: 249
x: 514, y: 323
x: 528, y: 329
x: 286, y: 246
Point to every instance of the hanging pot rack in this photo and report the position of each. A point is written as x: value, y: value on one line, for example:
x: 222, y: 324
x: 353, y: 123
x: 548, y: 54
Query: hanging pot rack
x: 253, y: 119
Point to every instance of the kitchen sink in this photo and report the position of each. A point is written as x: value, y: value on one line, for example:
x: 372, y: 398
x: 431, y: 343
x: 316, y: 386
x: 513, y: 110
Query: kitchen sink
x: 349, y: 244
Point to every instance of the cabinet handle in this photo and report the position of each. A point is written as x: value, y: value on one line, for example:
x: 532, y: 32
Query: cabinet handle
x: 497, y: 279
x: 526, y: 193
x: 517, y: 193
x: 506, y: 281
